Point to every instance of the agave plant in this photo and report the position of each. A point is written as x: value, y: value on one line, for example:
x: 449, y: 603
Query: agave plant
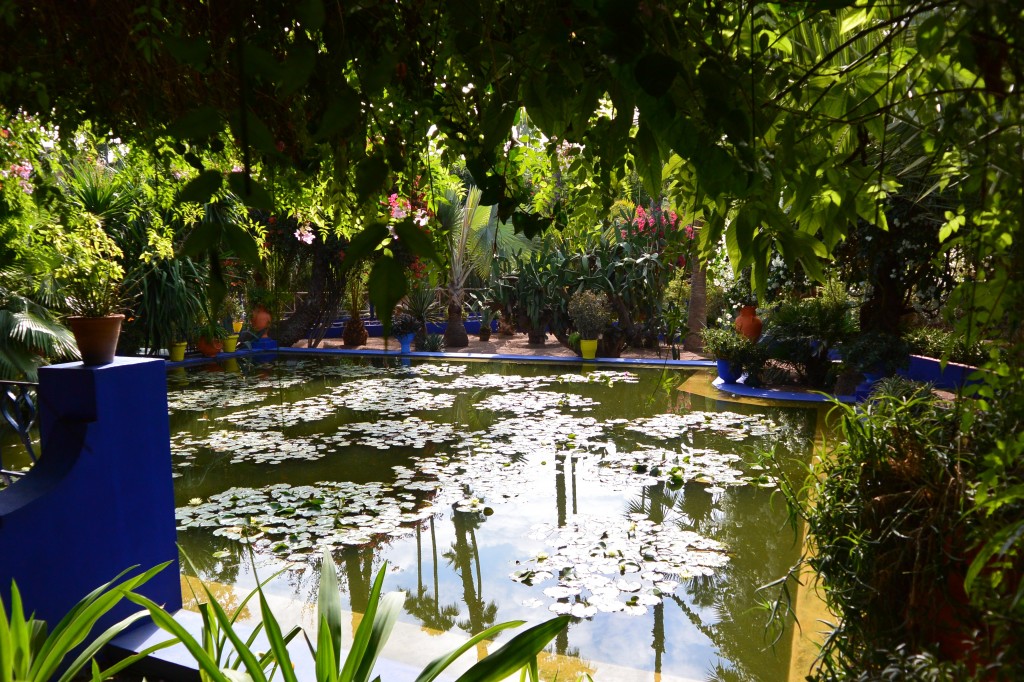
x: 368, y: 640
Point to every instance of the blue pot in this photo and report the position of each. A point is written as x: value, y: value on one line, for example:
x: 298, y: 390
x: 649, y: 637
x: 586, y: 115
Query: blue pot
x: 727, y: 372
x: 406, y: 341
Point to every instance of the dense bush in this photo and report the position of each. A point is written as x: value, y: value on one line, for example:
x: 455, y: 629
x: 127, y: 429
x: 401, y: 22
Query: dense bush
x: 936, y: 342
x: 804, y: 332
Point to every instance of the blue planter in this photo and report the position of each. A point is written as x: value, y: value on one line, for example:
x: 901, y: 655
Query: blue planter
x: 727, y: 372
x: 406, y: 341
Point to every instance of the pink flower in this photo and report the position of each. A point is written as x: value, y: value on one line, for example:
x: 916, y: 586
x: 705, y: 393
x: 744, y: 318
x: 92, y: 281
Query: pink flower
x: 399, y: 207
x: 305, y: 234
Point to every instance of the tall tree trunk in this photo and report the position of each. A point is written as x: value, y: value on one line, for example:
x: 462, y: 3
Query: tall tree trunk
x: 697, y: 315
x: 455, y: 335
x: 320, y: 306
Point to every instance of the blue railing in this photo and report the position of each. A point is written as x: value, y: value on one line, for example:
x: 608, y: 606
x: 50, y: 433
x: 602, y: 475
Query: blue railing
x: 19, y: 408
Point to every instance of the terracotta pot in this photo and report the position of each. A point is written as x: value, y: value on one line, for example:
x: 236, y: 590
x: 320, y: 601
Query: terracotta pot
x: 485, y: 333
x: 209, y: 347
x: 748, y: 323
x: 96, y: 338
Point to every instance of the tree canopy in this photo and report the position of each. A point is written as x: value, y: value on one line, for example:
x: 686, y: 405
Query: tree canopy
x: 778, y: 124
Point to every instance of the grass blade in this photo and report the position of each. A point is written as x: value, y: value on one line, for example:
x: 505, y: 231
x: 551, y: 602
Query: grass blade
x: 329, y: 609
x: 439, y: 664
x: 516, y: 653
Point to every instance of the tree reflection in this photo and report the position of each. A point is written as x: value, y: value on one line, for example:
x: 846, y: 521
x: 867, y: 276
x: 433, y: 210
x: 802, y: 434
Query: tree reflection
x: 462, y: 556
x: 424, y: 605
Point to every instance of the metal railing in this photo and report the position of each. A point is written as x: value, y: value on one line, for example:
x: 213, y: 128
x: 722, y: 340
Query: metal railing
x: 19, y: 407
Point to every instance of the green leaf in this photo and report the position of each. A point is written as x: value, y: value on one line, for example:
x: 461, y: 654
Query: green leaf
x: 371, y: 176
x: 201, y: 188
x: 930, y: 35
x: 297, y: 68
x: 387, y: 286
x: 197, y: 124
x: 648, y: 159
x: 166, y: 622
x: 342, y: 112
x: 516, y: 653
x: 416, y: 240
x: 438, y: 665
x: 202, y: 239
x: 310, y: 14
x: 383, y: 623
x: 655, y: 73
x: 242, y: 243
x: 363, y: 244
x: 329, y: 609
x: 250, y: 192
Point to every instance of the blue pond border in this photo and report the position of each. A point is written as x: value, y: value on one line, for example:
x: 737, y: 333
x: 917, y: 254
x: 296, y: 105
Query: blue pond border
x: 737, y: 389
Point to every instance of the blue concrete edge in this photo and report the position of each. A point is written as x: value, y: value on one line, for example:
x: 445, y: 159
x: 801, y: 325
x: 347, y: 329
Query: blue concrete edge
x: 635, y: 362
x: 745, y: 391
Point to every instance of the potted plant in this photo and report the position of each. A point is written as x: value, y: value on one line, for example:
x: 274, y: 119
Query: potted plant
x: 486, y: 317
x: 589, y: 314
x: 404, y: 328
x: 727, y: 346
x: 231, y: 312
x: 90, y: 276
x: 355, y: 333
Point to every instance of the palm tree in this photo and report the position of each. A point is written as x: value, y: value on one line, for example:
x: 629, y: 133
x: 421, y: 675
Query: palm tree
x: 475, y: 239
x: 30, y: 330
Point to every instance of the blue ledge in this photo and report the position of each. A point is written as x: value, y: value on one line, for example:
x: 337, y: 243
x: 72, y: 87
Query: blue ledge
x: 779, y: 394
x: 554, y: 359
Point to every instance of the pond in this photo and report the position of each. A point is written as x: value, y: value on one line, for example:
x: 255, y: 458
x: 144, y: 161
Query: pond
x: 498, y: 492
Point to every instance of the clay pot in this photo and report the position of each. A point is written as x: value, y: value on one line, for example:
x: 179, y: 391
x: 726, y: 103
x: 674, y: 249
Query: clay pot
x: 209, y: 347
x: 96, y: 337
x: 748, y: 323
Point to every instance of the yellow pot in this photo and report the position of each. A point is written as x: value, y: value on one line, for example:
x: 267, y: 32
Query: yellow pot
x: 237, y: 326
x: 231, y: 343
x: 588, y: 347
x: 176, y: 353
x: 231, y: 365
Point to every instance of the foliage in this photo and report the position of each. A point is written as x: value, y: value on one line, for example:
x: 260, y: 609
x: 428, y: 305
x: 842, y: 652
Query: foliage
x: 89, y: 274
x: 725, y: 344
x: 431, y: 343
x: 405, y: 324
x: 368, y: 640
x: 589, y: 313
x: 30, y: 653
x: 886, y: 532
x: 31, y: 332
x: 876, y: 353
x: 936, y: 342
x: 805, y: 332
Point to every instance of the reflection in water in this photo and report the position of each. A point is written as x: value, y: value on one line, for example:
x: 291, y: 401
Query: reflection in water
x: 710, y: 620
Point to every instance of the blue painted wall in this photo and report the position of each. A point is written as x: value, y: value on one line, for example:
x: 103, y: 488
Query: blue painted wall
x: 101, y: 497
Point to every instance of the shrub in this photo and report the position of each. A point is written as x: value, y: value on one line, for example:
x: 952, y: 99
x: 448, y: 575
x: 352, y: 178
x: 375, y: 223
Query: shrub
x: 804, y: 333
x: 725, y: 344
x: 589, y: 313
x: 876, y: 353
x: 887, y: 533
x: 936, y: 342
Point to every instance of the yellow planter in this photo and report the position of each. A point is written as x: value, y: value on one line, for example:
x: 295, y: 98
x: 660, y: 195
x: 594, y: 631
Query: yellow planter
x: 176, y: 353
x: 231, y: 343
x: 237, y: 326
x: 589, y: 348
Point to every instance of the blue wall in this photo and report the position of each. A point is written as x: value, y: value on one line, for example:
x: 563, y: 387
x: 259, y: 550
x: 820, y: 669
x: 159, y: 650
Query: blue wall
x: 101, y: 497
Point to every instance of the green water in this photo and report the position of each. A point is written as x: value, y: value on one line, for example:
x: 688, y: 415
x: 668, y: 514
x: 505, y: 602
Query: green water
x: 519, y: 491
